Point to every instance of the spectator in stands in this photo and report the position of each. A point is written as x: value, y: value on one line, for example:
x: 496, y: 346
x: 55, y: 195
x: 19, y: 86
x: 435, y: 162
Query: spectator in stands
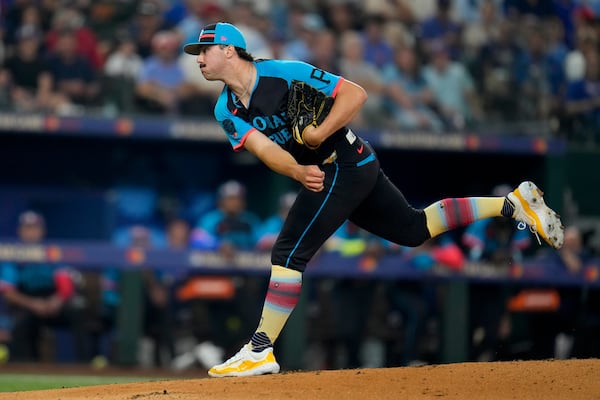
x: 231, y: 223
x: 178, y: 234
x: 585, y: 43
x: 326, y: 54
x: 73, y: 75
x: 582, y: 101
x: 70, y: 19
x: 307, y: 29
x: 17, y: 13
x: 399, y: 35
x: 30, y: 15
x: 574, y: 254
x: 409, y: 100
x: 105, y: 18
x: 481, y: 31
x: 147, y: 21
x: 354, y: 67
x: 244, y: 15
x: 540, y: 78
x: 378, y: 51
x: 39, y: 297
x: 161, y: 86
x: 26, y: 83
x: 121, y: 70
x: 453, y: 89
x: 556, y: 47
x: 441, y: 28
x: 341, y: 16
x: 495, y: 69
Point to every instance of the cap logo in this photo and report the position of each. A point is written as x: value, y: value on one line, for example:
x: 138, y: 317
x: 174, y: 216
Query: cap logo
x: 219, y: 33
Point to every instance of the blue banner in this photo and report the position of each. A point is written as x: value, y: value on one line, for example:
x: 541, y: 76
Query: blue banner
x: 98, y: 255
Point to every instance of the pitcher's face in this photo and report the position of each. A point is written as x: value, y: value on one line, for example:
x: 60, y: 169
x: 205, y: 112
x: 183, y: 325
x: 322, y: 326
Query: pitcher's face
x: 211, y: 61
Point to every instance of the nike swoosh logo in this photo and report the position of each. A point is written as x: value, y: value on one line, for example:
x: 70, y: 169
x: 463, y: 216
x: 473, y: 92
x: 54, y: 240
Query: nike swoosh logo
x: 360, y: 149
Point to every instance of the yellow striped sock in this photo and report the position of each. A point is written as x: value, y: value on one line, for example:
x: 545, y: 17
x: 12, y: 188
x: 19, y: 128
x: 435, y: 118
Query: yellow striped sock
x: 448, y: 214
x: 282, y: 296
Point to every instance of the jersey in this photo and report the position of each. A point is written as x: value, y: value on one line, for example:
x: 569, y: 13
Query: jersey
x: 33, y: 279
x: 268, y: 106
x: 356, y: 189
x: 239, y: 230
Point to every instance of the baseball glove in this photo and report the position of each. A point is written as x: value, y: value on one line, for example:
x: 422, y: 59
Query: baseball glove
x: 306, y: 107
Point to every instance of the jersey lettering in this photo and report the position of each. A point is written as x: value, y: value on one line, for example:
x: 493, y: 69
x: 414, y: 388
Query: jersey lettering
x: 277, y: 122
x: 259, y: 123
x: 268, y: 121
x: 281, y: 137
x: 319, y: 75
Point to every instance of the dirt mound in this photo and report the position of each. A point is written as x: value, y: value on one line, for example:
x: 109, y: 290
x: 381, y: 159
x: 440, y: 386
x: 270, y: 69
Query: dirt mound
x: 548, y: 379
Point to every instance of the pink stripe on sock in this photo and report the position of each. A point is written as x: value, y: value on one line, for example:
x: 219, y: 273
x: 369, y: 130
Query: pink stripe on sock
x: 465, y: 211
x: 283, y: 294
x: 457, y: 212
x: 282, y: 300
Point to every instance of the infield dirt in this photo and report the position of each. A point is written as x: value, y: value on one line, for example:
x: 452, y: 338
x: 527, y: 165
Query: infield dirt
x: 521, y: 380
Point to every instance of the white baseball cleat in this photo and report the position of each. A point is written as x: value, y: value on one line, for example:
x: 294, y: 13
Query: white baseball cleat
x: 531, y: 210
x: 247, y: 363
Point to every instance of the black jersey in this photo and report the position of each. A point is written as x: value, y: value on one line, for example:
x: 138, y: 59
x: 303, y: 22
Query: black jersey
x: 268, y: 105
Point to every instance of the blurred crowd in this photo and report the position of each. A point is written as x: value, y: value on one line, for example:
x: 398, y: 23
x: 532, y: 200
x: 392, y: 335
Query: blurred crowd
x: 184, y: 320
x: 491, y: 66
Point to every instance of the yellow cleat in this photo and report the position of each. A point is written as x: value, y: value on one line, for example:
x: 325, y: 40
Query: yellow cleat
x: 247, y: 363
x: 530, y: 209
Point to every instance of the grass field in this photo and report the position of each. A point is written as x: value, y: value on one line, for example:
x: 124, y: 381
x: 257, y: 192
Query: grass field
x: 10, y: 382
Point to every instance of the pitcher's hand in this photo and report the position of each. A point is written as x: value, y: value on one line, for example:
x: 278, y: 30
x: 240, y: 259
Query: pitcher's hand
x: 313, y: 178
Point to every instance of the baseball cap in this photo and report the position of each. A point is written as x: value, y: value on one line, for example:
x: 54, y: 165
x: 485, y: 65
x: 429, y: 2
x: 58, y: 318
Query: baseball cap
x: 219, y: 33
x: 27, y: 31
x: 30, y: 217
x: 231, y: 188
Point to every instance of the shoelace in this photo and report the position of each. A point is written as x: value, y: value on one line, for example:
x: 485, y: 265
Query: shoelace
x: 532, y: 228
x: 237, y: 356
